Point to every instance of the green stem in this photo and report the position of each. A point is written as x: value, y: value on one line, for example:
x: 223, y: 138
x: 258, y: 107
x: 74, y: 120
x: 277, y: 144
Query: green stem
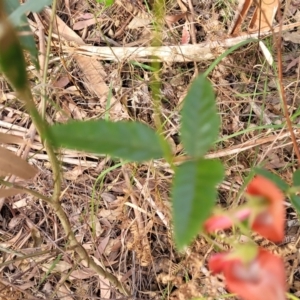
x: 290, y: 296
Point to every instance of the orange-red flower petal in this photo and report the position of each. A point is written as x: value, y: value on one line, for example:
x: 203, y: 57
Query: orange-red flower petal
x: 219, y: 222
x: 270, y: 222
x: 262, y: 278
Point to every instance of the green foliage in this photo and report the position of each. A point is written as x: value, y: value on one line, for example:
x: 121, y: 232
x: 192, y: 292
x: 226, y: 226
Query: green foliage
x: 19, y: 20
x: 296, y: 178
x: 127, y: 140
x: 200, y: 122
x: 12, y: 62
x: 295, y: 200
x: 194, y: 195
x: 18, y: 11
x: 194, y: 185
x: 13, y: 67
x: 107, y: 3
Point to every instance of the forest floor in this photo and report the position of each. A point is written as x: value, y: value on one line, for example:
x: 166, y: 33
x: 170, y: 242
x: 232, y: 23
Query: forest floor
x: 132, y: 236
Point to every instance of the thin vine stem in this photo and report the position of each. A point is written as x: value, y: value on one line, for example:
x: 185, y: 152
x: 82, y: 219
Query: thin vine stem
x: 282, y: 92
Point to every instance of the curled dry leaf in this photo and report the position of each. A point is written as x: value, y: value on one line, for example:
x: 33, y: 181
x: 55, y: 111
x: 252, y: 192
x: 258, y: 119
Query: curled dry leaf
x: 64, y: 292
x: 13, y: 164
x: 62, y: 28
x: 61, y: 82
x: 15, y: 221
x: 138, y: 22
x: 293, y: 37
x: 59, y: 267
x: 292, y: 64
x: 262, y: 18
x: 85, y: 23
x: 12, y: 241
x: 81, y: 274
x: 20, y: 203
x: 170, y: 19
x: 94, y: 78
x: 264, y: 15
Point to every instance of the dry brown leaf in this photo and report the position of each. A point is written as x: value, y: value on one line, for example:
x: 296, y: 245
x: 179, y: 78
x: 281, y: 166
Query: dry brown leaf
x: 83, y: 16
x: 6, y: 138
x: 60, y: 267
x: 104, y: 283
x: 96, y: 226
x: 292, y: 64
x: 85, y: 273
x: 74, y: 173
x: 64, y: 293
x: 61, y: 82
x: 20, y: 203
x: 15, y: 221
x: 77, y: 113
x: 138, y: 22
x: 64, y: 114
x: 88, y: 246
x: 59, y: 26
x: 264, y: 15
x: 26, y: 285
x: 113, y: 245
x: 94, y: 81
x: 86, y: 23
x: 48, y: 288
x: 105, y: 288
x: 262, y: 18
x: 13, y: 164
x: 182, y: 6
x: 170, y: 19
x: 9, y: 192
x: 111, y: 215
x: 12, y: 241
x: 293, y: 37
x: 102, y: 245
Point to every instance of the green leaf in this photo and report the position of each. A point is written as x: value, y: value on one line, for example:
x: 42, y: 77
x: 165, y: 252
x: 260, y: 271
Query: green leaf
x: 295, y: 200
x: 127, y: 140
x: 273, y: 177
x: 193, y: 195
x: 25, y: 35
x: 107, y: 3
x: 12, y: 62
x: 296, y: 178
x: 29, y: 6
x: 200, y: 121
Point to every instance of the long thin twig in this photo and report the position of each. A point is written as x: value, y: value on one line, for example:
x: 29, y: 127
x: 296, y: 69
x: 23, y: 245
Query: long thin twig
x: 282, y: 92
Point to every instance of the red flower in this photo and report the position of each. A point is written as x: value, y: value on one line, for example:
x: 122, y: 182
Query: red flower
x: 265, y: 211
x: 268, y: 222
x: 258, y: 279
x: 219, y: 222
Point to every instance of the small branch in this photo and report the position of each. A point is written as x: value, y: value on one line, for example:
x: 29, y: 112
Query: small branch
x: 183, y: 53
x: 82, y: 252
x: 282, y: 92
x: 25, y: 190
